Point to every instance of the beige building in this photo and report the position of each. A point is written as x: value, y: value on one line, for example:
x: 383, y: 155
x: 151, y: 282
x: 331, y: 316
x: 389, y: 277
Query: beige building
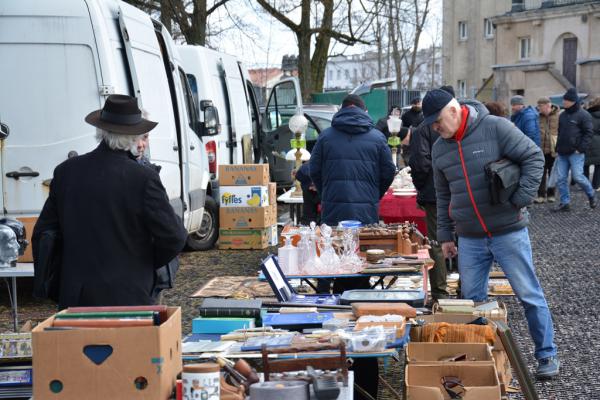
x: 468, y: 47
x: 544, y: 47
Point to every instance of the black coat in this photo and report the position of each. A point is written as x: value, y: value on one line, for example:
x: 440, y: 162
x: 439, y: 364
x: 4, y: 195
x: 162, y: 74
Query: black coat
x: 574, y: 131
x: 117, y: 227
x: 592, y: 155
x: 421, y: 170
x: 412, y: 117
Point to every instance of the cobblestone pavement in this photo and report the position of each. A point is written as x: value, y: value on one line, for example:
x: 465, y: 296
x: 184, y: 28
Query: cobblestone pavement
x: 566, y: 253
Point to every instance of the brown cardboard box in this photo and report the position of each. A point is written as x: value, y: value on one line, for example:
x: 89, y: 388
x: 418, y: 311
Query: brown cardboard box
x: 503, y: 367
x: 433, y: 353
x: 152, y: 353
x: 272, y: 193
x: 29, y: 223
x: 415, y: 331
x: 244, y: 175
x: 247, y: 217
x: 424, y: 382
x: 244, y: 239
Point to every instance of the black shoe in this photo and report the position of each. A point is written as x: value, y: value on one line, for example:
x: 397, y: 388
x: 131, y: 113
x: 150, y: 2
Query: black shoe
x: 593, y: 202
x: 562, y: 207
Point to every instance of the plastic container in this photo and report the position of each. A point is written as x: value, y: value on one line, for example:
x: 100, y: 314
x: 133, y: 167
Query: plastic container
x: 288, y: 257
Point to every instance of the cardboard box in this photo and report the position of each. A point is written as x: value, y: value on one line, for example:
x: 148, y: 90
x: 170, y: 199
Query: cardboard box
x: 415, y: 331
x: 244, y: 174
x: 240, y: 239
x: 247, y: 217
x: 147, y: 356
x: 424, y: 382
x: 273, y: 193
x: 502, y: 362
x: 28, y: 223
x: 432, y: 353
x: 244, y: 196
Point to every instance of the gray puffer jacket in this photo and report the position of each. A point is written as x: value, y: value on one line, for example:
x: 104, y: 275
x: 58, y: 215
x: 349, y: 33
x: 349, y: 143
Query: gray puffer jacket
x: 463, y: 205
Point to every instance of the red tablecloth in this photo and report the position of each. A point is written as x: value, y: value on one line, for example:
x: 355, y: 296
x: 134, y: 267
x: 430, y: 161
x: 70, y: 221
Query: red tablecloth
x: 402, y: 208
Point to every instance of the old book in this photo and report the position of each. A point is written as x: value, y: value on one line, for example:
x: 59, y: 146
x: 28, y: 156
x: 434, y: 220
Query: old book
x: 214, y: 307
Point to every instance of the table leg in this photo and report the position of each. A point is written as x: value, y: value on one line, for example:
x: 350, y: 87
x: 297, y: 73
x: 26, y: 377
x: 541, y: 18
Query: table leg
x: 425, y: 281
x: 293, y: 214
x: 14, y: 304
x: 309, y: 283
x: 379, y: 281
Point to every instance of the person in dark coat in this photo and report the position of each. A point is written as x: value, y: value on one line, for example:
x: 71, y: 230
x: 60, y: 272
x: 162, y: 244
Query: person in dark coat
x: 113, y: 214
x: 351, y: 167
x: 421, y: 141
x: 525, y: 118
x: 310, y: 196
x: 592, y: 155
x: 575, y: 131
x: 410, y: 120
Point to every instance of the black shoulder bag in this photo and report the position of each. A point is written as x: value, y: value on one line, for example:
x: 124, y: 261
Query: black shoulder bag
x: 503, y: 179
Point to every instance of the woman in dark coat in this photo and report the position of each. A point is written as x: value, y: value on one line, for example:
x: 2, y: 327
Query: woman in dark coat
x: 592, y: 155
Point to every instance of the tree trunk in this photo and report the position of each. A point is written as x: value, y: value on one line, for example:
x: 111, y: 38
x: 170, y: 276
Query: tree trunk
x: 304, y: 65
x: 420, y: 19
x: 394, y: 39
x: 318, y: 62
x: 197, y: 32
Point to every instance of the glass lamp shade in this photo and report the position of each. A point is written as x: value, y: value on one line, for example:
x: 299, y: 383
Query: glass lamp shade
x: 298, y: 123
x: 394, y: 124
x: 291, y: 155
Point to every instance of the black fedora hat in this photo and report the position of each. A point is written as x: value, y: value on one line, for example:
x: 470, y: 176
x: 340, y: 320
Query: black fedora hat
x: 120, y: 115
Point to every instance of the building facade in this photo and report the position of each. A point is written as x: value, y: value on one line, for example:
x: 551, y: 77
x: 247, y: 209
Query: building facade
x: 544, y: 47
x: 468, y: 47
x: 347, y: 72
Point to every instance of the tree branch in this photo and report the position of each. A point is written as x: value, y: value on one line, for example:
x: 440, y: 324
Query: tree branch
x: 215, y: 6
x: 279, y: 16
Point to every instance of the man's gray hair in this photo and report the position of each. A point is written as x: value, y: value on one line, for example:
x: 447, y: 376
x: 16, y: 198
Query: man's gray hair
x: 116, y: 141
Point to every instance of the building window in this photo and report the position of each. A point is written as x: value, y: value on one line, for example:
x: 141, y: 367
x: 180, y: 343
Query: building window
x: 347, y: 74
x: 462, y: 88
x: 339, y: 74
x: 355, y: 74
x: 330, y: 74
x: 437, y: 68
x: 488, y: 28
x: 462, y: 30
x: 524, y: 48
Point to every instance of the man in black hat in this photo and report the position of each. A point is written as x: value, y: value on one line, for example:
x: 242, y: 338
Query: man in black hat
x: 113, y: 215
x: 488, y: 231
x: 575, y: 131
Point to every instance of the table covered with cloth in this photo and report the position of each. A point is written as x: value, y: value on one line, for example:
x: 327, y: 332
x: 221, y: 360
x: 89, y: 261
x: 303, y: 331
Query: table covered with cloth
x: 402, y: 208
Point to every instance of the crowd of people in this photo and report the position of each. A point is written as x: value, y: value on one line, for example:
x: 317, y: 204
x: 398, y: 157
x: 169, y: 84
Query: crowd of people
x: 448, y: 145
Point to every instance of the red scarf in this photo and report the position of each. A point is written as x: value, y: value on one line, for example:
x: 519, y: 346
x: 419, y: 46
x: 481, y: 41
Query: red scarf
x: 463, y: 124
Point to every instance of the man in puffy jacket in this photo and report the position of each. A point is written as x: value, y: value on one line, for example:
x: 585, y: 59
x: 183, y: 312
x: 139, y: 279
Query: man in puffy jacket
x: 351, y: 166
x: 525, y: 118
x: 470, y: 139
x: 575, y: 130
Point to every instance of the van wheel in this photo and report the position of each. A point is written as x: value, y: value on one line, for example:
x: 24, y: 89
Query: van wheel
x: 206, y: 237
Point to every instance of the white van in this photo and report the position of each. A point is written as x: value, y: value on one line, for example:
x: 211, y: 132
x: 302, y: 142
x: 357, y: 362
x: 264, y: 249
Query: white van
x: 60, y: 59
x: 222, y: 79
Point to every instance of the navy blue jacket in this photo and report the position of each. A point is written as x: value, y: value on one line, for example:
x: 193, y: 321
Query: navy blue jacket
x: 351, y: 167
x: 527, y: 121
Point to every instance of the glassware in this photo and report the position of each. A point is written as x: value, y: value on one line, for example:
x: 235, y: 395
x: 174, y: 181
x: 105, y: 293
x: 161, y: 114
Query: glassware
x: 303, y: 250
x: 350, y: 258
x: 329, y: 257
x: 313, y: 262
x: 288, y: 256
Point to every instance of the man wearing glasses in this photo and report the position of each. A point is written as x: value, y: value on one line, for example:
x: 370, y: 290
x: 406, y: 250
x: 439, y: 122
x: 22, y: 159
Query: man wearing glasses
x: 487, y: 231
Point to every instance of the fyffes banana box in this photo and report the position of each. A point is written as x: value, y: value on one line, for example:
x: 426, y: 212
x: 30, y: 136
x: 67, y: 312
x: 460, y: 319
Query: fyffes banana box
x: 244, y: 196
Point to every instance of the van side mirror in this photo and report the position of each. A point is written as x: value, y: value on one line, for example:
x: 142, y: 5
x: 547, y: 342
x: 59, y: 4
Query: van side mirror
x: 4, y: 131
x: 211, y: 125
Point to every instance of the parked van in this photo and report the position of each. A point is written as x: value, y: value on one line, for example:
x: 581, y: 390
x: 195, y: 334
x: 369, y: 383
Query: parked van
x: 222, y: 79
x: 60, y: 60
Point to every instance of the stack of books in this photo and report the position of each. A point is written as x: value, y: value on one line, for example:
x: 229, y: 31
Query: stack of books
x: 15, y: 366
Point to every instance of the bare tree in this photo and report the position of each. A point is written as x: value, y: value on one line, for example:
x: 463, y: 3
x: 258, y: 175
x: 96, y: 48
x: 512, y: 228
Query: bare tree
x: 317, y: 20
x: 186, y: 17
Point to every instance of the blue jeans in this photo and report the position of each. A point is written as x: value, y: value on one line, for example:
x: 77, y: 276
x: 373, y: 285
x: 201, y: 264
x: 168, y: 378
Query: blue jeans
x: 575, y: 162
x: 512, y: 251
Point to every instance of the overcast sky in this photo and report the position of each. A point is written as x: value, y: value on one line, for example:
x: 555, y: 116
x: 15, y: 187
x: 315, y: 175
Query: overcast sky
x: 264, y: 40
